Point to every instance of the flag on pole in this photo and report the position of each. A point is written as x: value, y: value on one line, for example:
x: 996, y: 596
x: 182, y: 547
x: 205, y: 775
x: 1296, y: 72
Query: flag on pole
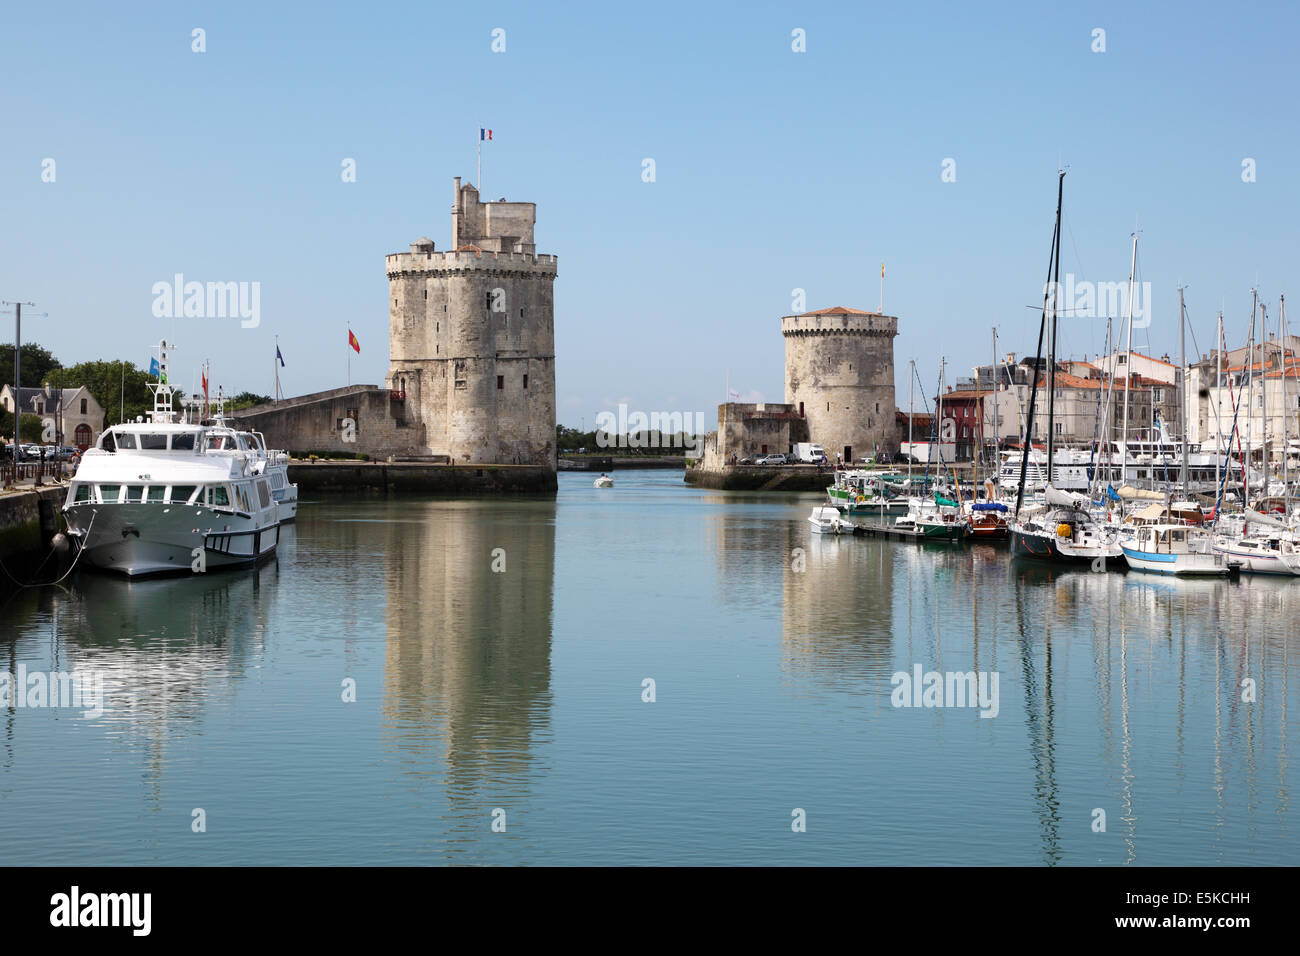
x: 732, y: 393
x: 484, y: 134
x: 154, y: 368
x: 279, y: 356
x: 882, y: 270
x: 352, y: 341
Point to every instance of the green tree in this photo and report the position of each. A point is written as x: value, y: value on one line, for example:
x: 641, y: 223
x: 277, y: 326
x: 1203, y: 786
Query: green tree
x: 246, y: 400
x: 36, y: 365
x: 115, y: 384
x: 31, y: 428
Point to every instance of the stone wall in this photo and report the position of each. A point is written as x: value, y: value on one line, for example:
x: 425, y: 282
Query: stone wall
x: 315, y: 423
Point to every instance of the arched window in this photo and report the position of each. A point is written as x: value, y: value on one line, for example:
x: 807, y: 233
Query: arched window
x: 82, y: 436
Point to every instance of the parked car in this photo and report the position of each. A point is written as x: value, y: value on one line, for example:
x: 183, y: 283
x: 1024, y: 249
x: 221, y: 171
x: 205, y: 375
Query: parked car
x: 771, y: 460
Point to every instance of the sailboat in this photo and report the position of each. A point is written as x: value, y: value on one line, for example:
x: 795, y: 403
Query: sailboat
x: 1062, y: 529
x: 1172, y: 547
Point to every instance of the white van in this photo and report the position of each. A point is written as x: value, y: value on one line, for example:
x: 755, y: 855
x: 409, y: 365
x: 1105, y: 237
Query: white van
x: 808, y: 453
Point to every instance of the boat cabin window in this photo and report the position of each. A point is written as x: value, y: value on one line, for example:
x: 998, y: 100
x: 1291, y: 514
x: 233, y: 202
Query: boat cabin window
x: 241, y: 493
x: 124, y: 440
x: 82, y: 493
x: 263, y: 494
x: 156, y: 492
x: 153, y: 442
x: 109, y: 492
x: 134, y: 493
x: 183, y: 441
x: 180, y: 494
x: 1177, y: 535
x: 217, y: 496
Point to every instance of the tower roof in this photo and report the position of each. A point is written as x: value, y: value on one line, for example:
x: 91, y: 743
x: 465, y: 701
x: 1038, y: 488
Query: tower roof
x: 839, y: 310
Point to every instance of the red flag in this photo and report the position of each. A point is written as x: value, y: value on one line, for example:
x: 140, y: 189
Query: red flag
x: 352, y: 341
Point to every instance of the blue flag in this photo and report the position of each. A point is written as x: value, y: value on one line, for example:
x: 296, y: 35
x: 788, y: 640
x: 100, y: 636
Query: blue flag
x: 153, y: 367
x: 279, y: 356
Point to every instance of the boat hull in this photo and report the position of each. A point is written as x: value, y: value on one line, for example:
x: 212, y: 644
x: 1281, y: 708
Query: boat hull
x: 1182, y: 565
x: 139, y: 540
x: 1047, y: 548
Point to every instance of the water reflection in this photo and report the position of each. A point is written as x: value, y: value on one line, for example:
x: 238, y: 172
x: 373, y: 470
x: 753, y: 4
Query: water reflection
x: 467, y: 669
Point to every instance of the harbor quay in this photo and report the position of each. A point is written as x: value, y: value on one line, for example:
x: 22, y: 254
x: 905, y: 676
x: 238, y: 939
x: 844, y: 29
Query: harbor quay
x: 430, y: 478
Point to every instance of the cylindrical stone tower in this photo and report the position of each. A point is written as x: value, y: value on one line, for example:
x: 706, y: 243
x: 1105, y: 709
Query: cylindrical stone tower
x: 839, y: 374
x: 472, y: 336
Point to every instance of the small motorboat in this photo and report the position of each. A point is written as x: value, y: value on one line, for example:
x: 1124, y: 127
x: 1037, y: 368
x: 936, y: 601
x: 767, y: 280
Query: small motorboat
x: 826, y: 520
x: 604, y: 481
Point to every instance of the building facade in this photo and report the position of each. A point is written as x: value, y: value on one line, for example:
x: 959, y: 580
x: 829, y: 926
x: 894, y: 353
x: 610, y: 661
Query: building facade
x: 839, y: 374
x: 73, y: 414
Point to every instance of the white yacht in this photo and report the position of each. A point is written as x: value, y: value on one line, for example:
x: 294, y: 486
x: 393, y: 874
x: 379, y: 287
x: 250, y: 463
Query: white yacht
x: 162, y: 497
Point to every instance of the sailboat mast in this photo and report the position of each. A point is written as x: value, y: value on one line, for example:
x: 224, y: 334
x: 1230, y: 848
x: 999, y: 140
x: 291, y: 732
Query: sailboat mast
x: 1027, y: 444
x: 1128, y: 363
x: 1051, y: 358
x: 1218, y: 418
x: 1286, y: 479
x: 1250, y: 402
x: 1182, y: 374
x: 911, y: 404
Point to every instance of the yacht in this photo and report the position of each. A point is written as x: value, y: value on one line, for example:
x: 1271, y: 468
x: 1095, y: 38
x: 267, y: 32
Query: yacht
x: 1063, y: 530
x: 166, y: 497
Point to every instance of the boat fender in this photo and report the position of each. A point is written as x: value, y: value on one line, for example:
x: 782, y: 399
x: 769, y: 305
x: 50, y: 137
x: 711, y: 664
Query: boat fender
x: 860, y: 499
x: 1064, y: 530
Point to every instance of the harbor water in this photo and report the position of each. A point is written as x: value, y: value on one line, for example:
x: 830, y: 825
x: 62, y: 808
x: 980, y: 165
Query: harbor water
x: 648, y: 674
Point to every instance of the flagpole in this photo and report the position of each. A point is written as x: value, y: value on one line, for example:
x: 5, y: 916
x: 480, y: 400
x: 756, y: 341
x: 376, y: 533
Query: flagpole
x: 480, y: 160
x: 882, y: 288
x: 349, y: 355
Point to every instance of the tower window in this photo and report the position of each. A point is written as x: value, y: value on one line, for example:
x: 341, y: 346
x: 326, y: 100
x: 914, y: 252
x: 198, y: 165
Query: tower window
x: 426, y: 294
x: 394, y: 302
x: 501, y: 382
x: 525, y: 381
x: 521, y: 313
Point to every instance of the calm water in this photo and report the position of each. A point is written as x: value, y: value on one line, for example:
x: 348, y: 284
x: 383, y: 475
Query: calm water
x: 522, y: 690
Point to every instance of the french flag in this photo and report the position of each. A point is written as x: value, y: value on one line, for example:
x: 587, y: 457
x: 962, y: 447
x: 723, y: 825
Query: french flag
x: 484, y: 134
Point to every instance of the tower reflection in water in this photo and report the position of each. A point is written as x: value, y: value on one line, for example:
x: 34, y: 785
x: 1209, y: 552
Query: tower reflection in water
x: 467, y: 674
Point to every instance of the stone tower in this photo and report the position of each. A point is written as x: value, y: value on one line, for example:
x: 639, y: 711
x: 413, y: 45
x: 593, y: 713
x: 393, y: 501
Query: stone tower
x: 839, y: 374
x: 472, y: 336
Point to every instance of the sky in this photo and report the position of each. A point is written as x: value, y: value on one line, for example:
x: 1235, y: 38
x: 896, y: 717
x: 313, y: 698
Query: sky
x: 927, y: 137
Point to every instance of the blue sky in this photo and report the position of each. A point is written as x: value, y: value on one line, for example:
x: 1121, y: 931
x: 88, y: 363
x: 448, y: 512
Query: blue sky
x: 775, y: 170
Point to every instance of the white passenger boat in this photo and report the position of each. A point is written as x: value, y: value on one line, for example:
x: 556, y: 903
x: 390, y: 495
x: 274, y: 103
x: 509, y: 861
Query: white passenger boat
x: 604, y: 481
x: 1172, y: 549
x: 163, y: 496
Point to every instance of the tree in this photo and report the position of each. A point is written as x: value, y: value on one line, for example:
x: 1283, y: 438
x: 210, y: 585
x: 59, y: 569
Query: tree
x: 36, y: 364
x: 31, y: 428
x: 246, y: 400
x: 111, y: 383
